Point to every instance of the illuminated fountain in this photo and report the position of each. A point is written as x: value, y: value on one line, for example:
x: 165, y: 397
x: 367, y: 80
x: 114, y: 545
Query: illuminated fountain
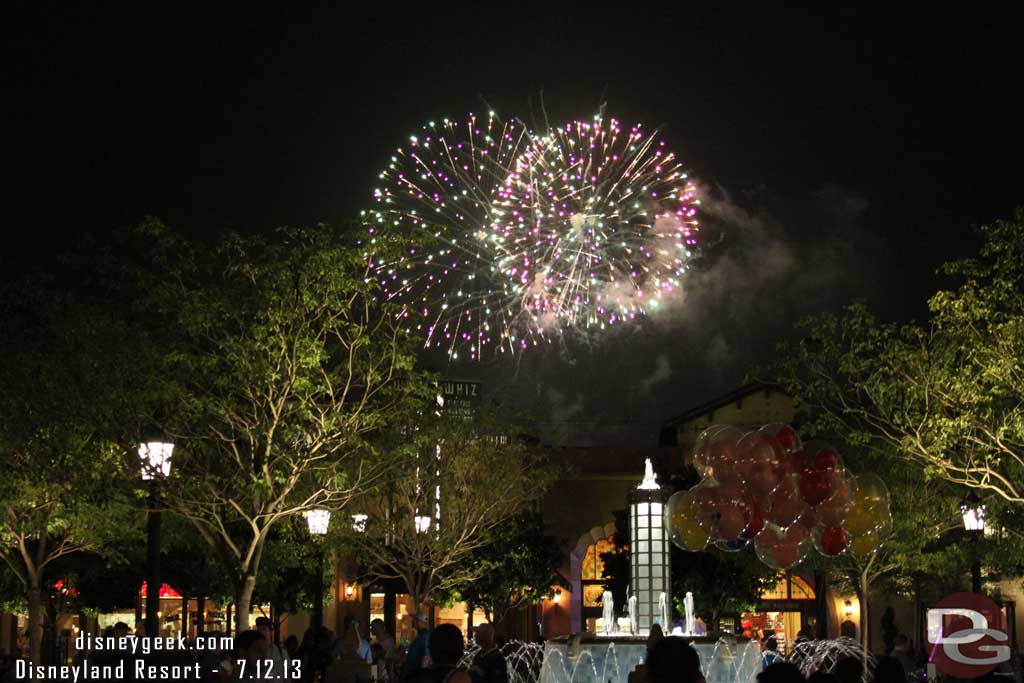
x: 650, y: 577
x: 723, y: 660
x: 611, y: 654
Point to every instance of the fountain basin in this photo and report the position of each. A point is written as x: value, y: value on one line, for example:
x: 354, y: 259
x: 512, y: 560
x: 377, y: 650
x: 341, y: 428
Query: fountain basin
x: 611, y: 659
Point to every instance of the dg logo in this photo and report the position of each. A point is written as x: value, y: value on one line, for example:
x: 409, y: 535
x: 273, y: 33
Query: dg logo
x: 966, y: 635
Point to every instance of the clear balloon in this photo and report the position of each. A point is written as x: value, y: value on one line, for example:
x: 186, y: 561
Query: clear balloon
x: 783, y: 435
x: 784, y: 504
x: 756, y: 522
x: 682, y: 517
x: 733, y: 546
x: 778, y: 551
x: 832, y: 511
x: 718, y: 455
x: 768, y: 489
x: 755, y: 454
x: 701, y: 448
x: 723, y: 511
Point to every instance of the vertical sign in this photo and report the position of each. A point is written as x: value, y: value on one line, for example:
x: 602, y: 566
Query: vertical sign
x: 460, y: 397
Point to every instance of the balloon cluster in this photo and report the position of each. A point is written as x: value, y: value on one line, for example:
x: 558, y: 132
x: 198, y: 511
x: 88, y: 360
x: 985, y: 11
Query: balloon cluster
x: 768, y: 489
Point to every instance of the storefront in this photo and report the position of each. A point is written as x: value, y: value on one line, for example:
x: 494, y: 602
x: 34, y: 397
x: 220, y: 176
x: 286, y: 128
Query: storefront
x: 785, y: 609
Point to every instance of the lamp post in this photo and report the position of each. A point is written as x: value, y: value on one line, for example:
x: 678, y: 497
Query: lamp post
x: 973, y: 511
x: 155, y: 460
x: 318, y: 521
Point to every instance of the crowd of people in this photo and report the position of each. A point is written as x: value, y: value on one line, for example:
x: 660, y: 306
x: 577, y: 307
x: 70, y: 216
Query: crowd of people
x: 371, y: 655
x: 674, y: 660
x: 360, y: 655
x: 357, y: 655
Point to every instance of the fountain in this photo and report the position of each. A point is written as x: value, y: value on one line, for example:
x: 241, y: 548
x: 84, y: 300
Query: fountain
x: 611, y: 654
x: 608, y: 624
x: 821, y: 655
x: 723, y: 660
x: 633, y: 628
x: 522, y: 660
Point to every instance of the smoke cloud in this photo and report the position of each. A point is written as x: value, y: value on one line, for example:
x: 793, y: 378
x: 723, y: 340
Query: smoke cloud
x: 762, y: 264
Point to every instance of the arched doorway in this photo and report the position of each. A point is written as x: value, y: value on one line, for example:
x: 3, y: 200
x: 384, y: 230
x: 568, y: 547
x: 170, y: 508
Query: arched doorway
x: 587, y: 576
x: 783, y: 610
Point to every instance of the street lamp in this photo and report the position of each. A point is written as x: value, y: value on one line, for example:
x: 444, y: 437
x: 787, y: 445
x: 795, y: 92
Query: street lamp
x: 318, y: 520
x: 359, y: 523
x: 973, y: 512
x: 422, y: 524
x: 155, y: 461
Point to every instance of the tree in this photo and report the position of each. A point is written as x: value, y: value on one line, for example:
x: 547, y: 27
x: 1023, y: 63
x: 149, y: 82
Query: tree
x: 518, y: 565
x: 721, y: 582
x: 291, y: 569
x: 947, y: 395
x: 922, y: 511
x: 66, y: 377
x: 281, y: 362
x: 456, y: 481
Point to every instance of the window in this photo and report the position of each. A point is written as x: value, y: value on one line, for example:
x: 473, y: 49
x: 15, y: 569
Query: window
x: 789, y: 587
x: 592, y: 572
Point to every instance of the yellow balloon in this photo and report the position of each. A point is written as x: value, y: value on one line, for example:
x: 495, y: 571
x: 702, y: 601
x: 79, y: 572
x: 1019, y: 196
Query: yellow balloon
x: 866, y: 545
x: 870, y: 490
x: 865, y: 518
x: 684, y: 525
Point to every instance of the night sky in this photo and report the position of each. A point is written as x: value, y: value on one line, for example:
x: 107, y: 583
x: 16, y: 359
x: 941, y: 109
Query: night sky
x: 845, y: 154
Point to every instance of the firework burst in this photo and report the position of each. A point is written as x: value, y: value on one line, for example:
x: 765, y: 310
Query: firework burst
x: 442, y: 190
x: 606, y: 221
x: 529, y: 236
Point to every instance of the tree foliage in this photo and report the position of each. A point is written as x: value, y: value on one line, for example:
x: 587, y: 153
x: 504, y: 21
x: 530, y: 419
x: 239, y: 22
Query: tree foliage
x: 67, y: 377
x: 464, y: 479
x: 948, y: 394
x: 282, y: 362
x: 518, y: 565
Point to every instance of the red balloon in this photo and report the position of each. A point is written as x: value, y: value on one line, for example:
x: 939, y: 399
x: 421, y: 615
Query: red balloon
x: 820, y: 470
x: 783, y: 436
x: 832, y: 541
x: 826, y: 459
x: 800, y: 462
x: 755, y: 524
x: 787, y: 437
x: 815, y: 486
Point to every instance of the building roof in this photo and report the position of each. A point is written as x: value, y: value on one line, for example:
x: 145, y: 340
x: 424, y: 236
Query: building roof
x: 617, y: 463
x: 723, y: 400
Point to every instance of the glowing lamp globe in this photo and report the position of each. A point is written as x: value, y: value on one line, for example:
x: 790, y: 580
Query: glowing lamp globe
x: 318, y: 520
x: 973, y: 511
x: 155, y: 458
